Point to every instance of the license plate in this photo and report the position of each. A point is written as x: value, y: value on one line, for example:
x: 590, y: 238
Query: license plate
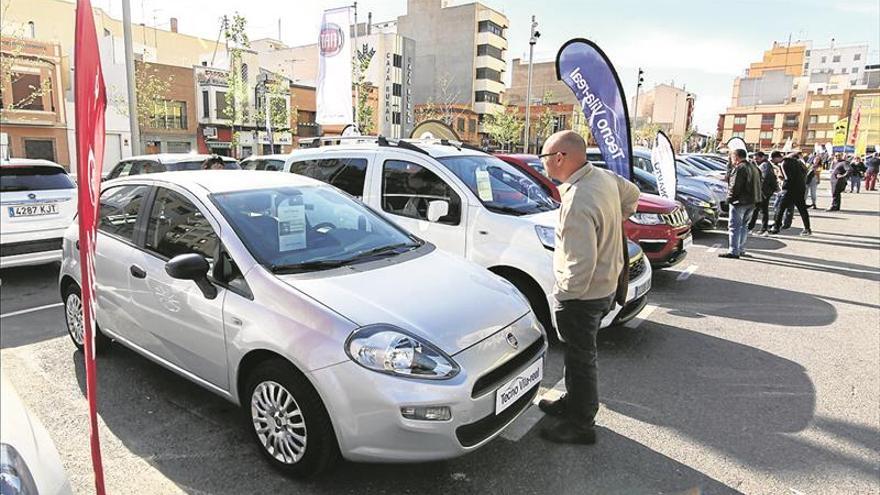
x: 528, y: 379
x: 688, y: 242
x: 643, y: 289
x: 32, y: 210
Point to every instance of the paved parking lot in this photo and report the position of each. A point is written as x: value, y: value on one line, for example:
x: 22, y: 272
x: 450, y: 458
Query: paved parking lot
x: 757, y: 375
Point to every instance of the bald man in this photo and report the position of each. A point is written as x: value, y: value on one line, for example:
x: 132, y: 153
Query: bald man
x: 587, y: 261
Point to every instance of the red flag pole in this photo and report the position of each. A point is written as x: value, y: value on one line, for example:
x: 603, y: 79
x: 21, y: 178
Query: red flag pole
x: 90, y: 101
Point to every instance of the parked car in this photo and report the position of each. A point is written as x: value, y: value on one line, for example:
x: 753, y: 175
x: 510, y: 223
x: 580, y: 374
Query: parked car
x: 706, y: 167
x: 660, y: 227
x: 269, y: 163
x: 38, y: 200
x: 337, y: 331
x: 165, y: 162
x: 698, y: 200
x: 685, y: 172
x: 468, y: 203
x: 29, y: 461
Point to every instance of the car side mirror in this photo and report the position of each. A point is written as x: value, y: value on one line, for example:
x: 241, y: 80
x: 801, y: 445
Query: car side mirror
x: 437, y: 210
x: 193, y: 267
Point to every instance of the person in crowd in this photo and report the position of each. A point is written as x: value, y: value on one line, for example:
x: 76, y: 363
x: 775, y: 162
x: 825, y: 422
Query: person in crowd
x: 794, y: 188
x: 788, y: 214
x: 839, y: 174
x: 588, y: 261
x: 872, y: 167
x: 213, y: 162
x: 744, y: 192
x: 857, y: 170
x: 813, y: 175
x: 769, y: 185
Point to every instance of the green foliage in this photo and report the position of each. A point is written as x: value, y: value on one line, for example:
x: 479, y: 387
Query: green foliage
x: 235, y: 35
x: 363, y: 58
x: 504, y: 127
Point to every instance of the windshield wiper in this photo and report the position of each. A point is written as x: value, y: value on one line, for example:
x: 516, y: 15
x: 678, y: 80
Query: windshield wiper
x: 384, y: 250
x: 307, y: 266
x: 506, y: 209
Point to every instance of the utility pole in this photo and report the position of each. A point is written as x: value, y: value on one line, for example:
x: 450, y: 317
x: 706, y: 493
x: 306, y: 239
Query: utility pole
x: 640, y: 80
x: 129, y: 76
x: 533, y: 38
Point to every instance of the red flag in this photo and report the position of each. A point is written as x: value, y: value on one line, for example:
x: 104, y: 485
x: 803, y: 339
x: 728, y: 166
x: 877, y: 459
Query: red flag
x: 854, y: 134
x: 90, y: 101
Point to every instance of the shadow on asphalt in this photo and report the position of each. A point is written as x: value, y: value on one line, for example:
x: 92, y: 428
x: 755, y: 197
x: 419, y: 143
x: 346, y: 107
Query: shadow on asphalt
x: 726, y: 396
x: 198, y: 441
x: 745, y: 301
x: 853, y: 270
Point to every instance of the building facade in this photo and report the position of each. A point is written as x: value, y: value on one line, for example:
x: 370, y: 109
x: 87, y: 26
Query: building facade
x: 668, y: 106
x: 33, y: 115
x: 461, y: 53
x: 174, y: 126
x: 764, y: 126
x: 543, y: 82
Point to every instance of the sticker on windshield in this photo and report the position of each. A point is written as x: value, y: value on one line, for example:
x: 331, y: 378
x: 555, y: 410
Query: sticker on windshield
x: 484, y: 185
x: 291, y: 227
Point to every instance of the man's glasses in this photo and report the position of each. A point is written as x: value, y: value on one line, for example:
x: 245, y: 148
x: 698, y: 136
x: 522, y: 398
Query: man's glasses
x: 545, y: 155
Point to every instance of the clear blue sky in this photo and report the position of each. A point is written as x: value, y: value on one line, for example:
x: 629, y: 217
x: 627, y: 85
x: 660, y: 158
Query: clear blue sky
x: 701, y: 44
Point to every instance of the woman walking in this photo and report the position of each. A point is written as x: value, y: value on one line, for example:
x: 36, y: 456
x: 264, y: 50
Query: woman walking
x: 813, y: 181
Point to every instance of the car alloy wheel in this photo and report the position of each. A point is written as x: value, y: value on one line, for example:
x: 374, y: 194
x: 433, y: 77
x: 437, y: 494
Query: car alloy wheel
x: 278, y: 422
x: 73, y: 311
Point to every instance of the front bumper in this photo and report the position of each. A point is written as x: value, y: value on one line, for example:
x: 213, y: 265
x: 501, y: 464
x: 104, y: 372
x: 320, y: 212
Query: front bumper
x: 663, y: 246
x: 702, y: 218
x: 365, y: 405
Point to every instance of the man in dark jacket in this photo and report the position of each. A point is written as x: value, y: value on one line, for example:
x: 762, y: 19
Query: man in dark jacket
x: 744, y: 192
x: 839, y: 175
x: 769, y: 185
x: 794, y: 188
x: 872, y: 166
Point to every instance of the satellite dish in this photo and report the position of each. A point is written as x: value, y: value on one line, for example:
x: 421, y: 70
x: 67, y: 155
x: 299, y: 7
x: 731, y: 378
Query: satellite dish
x: 434, y: 129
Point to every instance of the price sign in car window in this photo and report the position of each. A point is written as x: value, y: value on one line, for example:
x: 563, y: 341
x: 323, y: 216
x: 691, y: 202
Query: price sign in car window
x: 291, y: 224
x: 484, y: 185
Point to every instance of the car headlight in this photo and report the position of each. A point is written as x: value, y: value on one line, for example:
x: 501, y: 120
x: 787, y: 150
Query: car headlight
x: 388, y: 349
x: 547, y: 236
x: 646, y: 218
x: 15, y: 477
x: 696, y: 202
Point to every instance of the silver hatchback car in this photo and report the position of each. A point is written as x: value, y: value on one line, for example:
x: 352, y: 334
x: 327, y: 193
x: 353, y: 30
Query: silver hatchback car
x: 338, y: 332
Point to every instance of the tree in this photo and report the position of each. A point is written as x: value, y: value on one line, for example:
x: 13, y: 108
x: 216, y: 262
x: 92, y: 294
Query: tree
x: 504, y: 127
x: 363, y: 58
x: 235, y: 35
x: 546, y: 122
x: 152, y: 93
x: 13, y: 56
x: 644, y: 134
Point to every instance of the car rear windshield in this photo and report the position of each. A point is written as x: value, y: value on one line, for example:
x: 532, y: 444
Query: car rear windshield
x: 197, y: 165
x: 34, y: 178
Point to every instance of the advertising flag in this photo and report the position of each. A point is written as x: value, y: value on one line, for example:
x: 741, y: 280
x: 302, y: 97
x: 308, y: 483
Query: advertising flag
x: 90, y: 100
x: 839, y: 139
x: 787, y: 147
x: 736, y: 143
x: 333, y: 94
x: 829, y: 148
x: 586, y: 70
x: 854, y: 130
x: 663, y: 160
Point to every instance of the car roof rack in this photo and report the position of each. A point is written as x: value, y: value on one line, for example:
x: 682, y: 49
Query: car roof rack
x: 380, y: 140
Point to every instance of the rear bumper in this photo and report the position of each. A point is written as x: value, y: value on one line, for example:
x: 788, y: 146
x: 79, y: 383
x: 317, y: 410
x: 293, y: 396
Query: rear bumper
x: 30, y: 259
x: 30, y: 252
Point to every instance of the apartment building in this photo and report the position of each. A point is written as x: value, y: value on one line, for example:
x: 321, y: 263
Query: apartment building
x: 172, y: 127
x: 543, y: 82
x: 670, y: 107
x: 461, y: 53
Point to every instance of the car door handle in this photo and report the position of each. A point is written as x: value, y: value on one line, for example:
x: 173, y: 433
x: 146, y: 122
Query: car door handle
x: 137, y: 272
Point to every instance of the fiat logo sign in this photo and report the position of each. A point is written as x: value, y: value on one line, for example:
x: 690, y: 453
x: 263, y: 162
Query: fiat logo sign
x: 332, y: 40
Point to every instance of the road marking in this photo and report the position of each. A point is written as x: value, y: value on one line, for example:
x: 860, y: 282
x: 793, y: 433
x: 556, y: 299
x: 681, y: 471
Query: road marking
x: 31, y: 310
x: 642, y: 316
x: 533, y: 415
x: 714, y: 248
x: 687, y: 273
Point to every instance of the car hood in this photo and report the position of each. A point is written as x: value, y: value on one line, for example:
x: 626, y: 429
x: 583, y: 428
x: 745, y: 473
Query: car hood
x: 651, y: 203
x: 450, y: 302
x: 695, y: 189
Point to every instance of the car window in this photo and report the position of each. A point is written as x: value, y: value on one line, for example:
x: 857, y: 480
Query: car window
x: 34, y: 178
x: 119, y: 210
x: 643, y: 163
x: 176, y: 226
x: 347, y: 174
x: 308, y: 228
x: 137, y: 167
x: 407, y: 189
x: 500, y: 186
x: 270, y: 165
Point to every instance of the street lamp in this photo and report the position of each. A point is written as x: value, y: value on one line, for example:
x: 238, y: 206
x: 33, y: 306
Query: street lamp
x: 533, y: 38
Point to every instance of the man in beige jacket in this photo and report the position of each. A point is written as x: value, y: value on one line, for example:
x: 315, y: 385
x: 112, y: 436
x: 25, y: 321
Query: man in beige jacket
x: 587, y: 261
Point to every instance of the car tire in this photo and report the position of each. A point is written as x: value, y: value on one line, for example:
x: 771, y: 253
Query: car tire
x: 537, y: 302
x: 72, y: 300
x: 305, y: 425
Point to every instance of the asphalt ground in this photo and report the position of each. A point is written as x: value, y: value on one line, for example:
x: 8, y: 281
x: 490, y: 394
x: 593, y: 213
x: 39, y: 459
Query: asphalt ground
x: 759, y: 375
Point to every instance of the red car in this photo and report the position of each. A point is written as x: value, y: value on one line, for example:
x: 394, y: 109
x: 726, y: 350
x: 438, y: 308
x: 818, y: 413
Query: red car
x: 661, y: 227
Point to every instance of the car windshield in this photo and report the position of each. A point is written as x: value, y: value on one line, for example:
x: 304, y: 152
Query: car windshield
x: 684, y: 169
x: 34, y: 178
x: 298, y: 229
x: 500, y: 186
x: 263, y: 164
x: 538, y: 166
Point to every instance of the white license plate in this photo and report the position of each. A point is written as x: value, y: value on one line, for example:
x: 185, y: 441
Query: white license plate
x: 32, y: 210
x: 688, y: 242
x: 528, y: 379
x: 643, y: 289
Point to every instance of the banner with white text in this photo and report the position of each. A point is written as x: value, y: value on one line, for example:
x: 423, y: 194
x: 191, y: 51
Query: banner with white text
x: 663, y: 160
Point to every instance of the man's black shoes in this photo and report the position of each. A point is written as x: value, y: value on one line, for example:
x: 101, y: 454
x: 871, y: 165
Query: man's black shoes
x: 565, y: 432
x: 554, y: 408
x: 729, y: 256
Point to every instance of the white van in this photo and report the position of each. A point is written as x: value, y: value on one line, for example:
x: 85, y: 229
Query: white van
x: 465, y: 202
